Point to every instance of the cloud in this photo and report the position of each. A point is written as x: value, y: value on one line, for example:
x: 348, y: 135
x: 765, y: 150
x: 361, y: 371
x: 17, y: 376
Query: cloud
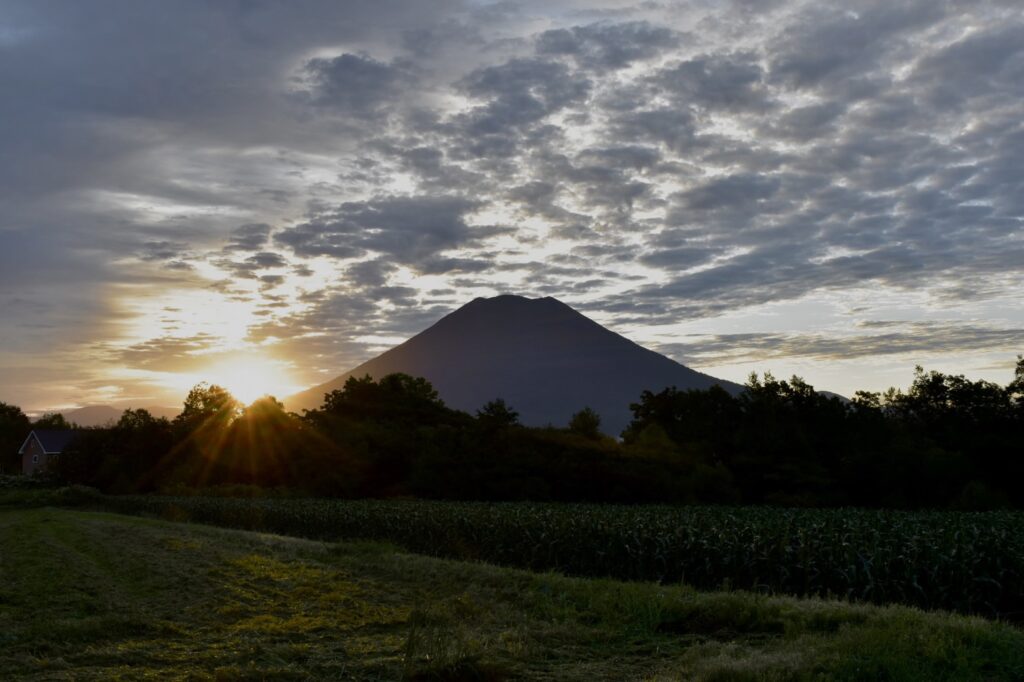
x: 517, y: 95
x: 673, y: 127
x: 254, y: 264
x: 904, y: 338
x: 679, y: 252
x: 803, y: 124
x: 729, y: 81
x: 827, y: 45
x: 248, y: 237
x: 410, y: 230
x: 604, y: 46
x: 343, y: 170
x: 370, y: 273
x: 161, y: 251
x: 729, y: 192
x: 354, y: 84
x: 166, y: 354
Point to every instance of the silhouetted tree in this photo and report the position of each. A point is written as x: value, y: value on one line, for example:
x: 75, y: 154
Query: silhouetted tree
x: 205, y: 403
x: 122, y: 458
x: 200, y: 432
x: 394, y: 395
x: 386, y: 426
x: 52, y: 420
x: 14, y: 428
x: 586, y: 423
x: 497, y: 414
x: 945, y: 441
x: 1015, y: 389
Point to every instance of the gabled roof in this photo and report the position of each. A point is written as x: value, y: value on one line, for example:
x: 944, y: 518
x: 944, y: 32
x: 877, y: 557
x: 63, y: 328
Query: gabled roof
x: 53, y: 441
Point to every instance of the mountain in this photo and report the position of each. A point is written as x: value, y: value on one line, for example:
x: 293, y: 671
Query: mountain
x: 543, y: 358
x: 102, y: 415
x: 93, y: 415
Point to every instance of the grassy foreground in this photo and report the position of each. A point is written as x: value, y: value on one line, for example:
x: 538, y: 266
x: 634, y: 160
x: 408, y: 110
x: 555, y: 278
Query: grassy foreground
x: 970, y: 562
x: 99, y: 596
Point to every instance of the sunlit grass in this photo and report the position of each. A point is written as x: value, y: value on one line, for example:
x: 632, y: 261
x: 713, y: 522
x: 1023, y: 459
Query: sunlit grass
x: 99, y: 596
x: 969, y: 562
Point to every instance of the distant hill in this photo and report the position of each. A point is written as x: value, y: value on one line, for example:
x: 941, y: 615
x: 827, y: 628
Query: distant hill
x: 101, y: 415
x: 542, y: 357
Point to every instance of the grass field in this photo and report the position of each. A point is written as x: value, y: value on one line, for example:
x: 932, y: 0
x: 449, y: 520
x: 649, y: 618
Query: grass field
x: 970, y: 562
x: 99, y: 596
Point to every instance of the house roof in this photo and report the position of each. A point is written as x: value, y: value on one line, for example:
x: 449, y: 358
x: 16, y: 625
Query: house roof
x: 53, y: 440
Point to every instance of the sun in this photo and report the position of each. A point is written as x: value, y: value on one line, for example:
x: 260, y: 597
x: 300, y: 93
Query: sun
x: 249, y: 378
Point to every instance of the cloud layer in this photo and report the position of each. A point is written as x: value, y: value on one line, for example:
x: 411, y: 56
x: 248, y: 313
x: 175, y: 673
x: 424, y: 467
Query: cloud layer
x: 334, y: 178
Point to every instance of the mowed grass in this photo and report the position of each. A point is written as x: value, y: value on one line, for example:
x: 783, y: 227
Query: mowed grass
x: 967, y: 562
x: 100, y: 596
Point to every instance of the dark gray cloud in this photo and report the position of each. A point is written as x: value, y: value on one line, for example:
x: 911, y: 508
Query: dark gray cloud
x: 248, y: 237
x: 164, y: 251
x: 898, y: 339
x: 606, y: 45
x: 676, y: 128
x: 409, y: 230
x: 433, y: 169
x: 515, y: 98
x: 355, y: 85
x: 730, y: 192
x: 252, y: 266
x: 521, y: 91
x: 370, y: 273
x: 429, y: 41
x: 987, y: 64
x: 831, y: 43
x: 729, y: 81
x: 165, y: 354
x: 679, y: 250
x: 802, y: 124
x: 631, y: 157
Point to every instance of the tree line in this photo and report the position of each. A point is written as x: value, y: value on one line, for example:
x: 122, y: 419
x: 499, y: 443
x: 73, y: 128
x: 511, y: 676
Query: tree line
x: 945, y: 442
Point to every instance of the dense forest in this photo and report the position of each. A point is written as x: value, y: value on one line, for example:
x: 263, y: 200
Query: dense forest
x: 945, y: 442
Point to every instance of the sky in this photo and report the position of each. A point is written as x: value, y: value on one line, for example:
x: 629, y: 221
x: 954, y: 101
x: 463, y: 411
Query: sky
x: 264, y: 193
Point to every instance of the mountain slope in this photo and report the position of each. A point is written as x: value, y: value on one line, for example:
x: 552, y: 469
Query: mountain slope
x: 104, y: 415
x: 542, y: 357
x: 93, y: 415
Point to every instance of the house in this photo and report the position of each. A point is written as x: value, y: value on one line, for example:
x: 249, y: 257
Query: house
x: 41, y: 447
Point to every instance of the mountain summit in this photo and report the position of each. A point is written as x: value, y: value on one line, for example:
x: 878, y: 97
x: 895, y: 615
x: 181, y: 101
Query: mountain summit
x: 542, y: 357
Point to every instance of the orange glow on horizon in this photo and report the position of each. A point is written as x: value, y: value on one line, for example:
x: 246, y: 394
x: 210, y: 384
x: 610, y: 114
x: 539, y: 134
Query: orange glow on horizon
x: 248, y: 378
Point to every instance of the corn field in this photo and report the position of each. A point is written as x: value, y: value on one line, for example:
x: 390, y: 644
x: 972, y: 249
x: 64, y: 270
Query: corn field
x: 967, y: 562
